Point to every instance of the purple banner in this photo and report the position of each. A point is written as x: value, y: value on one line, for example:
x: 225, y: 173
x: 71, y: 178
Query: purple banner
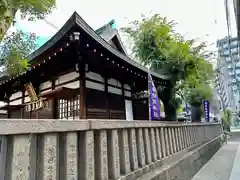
x: 154, y: 106
x: 206, y: 110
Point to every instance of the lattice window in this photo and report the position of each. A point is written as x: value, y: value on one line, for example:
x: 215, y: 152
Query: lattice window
x: 69, y: 109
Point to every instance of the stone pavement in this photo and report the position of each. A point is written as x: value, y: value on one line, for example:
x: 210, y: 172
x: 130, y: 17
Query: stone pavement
x: 224, y: 165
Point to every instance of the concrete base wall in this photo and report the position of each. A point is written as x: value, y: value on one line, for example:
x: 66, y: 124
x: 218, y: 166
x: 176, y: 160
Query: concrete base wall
x: 103, y: 149
x: 184, y: 165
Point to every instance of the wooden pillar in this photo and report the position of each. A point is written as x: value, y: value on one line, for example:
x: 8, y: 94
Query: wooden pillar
x: 8, y: 107
x: 123, y: 96
x: 23, y: 99
x: 38, y: 93
x: 107, y: 96
x: 133, y: 101
x: 54, y: 102
x: 82, y: 100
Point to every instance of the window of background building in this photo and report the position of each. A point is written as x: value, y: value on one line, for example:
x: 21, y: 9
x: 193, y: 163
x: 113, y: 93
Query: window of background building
x: 238, y: 71
x: 234, y: 43
x: 225, y: 45
x: 228, y: 58
x: 226, y: 52
x: 234, y: 50
x: 238, y: 64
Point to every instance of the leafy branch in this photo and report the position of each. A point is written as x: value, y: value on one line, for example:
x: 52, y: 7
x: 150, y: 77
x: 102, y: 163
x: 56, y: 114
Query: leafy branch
x: 14, y: 50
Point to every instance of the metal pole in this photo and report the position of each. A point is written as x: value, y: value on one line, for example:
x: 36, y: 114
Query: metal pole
x: 149, y: 108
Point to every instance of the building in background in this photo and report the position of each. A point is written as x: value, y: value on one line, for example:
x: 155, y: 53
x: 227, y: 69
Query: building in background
x: 215, y: 105
x: 228, y: 75
x: 236, y: 4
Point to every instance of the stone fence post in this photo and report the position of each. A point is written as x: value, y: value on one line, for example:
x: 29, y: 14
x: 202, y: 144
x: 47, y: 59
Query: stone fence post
x: 91, y: 149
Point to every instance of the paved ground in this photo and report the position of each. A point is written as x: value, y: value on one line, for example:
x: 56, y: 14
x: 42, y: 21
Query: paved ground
x: 225, y: 164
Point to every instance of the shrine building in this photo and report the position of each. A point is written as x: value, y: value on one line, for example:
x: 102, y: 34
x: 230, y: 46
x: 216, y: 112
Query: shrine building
x: 79, y: 74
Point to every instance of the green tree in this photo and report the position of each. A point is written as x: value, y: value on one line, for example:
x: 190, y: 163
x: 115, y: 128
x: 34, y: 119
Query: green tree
x: 157, y: 45
x: 195, y: 96
x: 226, y: 118
x: 14, y: 50
x: 30, y: 9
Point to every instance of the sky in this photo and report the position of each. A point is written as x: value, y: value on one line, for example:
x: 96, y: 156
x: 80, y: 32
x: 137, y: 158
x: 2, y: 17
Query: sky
x: 202, y: 19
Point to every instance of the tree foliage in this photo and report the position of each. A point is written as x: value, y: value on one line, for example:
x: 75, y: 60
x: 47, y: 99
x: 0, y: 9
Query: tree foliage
x: 14, y: 50
x: 30, y: 9
x: 226, y: 118
x: 196, y: 95
x: 156, y: 44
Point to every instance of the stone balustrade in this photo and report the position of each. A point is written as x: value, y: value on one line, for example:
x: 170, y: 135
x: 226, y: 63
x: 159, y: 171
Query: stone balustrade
x: 92, y: 149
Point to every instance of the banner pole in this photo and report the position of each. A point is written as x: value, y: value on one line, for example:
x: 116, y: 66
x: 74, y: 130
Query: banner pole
x: 149, y: 108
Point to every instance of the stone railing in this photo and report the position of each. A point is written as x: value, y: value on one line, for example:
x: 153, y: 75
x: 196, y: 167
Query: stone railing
x: 88, y: 150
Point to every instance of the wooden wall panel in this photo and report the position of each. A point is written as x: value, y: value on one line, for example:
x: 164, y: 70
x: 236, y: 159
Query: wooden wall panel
x: 96, y: 104
x: 116, y: 106
x: 45, y: 114
x: 16, y: 113
x: 141, y: 110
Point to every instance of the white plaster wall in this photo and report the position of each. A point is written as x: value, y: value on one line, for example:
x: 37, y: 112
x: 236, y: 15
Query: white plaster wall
x: 45, y: 91
x: 126, y: 86
x: 3, y: 111
x: 16, y: 102
x: 47, y: 84
x: 66, y: 77
x: 16, y: 95
x: 94, y: 85
x: 127, y: 93
x: 95, y: 76
x: 114, y: 90
x: 128, y: 110
x: 72, y: 85
x: 114, y: 82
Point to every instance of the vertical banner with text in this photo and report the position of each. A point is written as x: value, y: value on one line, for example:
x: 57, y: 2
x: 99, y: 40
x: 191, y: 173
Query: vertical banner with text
x: 206, y: 110
x: 154, y: 106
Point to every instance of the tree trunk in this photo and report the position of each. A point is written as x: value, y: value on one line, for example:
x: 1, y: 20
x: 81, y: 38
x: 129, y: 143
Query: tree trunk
x: 170, y: 111
x: 196, y: 113
x: 6, y: 21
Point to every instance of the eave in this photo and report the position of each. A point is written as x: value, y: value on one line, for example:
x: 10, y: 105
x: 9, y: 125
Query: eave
x: 84, y: 26
x: 62, y: 36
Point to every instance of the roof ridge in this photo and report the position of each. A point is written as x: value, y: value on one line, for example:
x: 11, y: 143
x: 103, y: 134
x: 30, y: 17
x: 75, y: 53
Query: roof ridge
x: 102, y: 28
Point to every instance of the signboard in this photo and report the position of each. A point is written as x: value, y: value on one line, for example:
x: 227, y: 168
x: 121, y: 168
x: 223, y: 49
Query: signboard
x: 154, y: 106
x: 206, y: 110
